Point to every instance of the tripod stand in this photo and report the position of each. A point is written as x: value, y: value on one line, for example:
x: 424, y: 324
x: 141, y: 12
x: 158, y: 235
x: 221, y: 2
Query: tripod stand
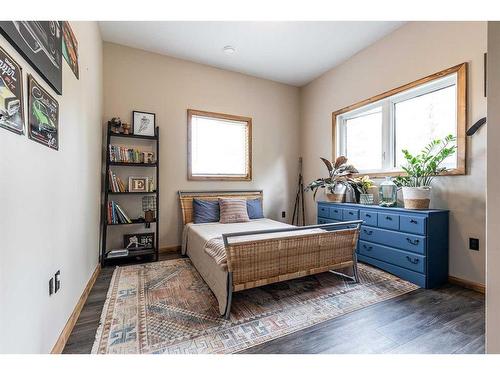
x: 299, y: 200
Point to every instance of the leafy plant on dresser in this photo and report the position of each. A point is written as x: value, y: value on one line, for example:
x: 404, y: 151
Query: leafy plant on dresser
x: 422, y: 168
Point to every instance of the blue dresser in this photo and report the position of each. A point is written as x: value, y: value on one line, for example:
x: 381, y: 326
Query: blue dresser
x: 411, y: 244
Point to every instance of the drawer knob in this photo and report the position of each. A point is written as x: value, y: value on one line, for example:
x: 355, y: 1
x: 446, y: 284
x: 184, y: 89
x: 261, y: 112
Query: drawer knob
x: 368, y: 232
x: 414, y: 242
x: 368, y: 215
x: 369, y: 248
x: 413, y: 261
x: 413, y: 221
x: 336, y: 211
x: 388, y: 218
x: 351, y: 213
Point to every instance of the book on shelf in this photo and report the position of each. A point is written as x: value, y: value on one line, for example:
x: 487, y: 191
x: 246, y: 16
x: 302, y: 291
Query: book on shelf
x: 116, y: 215
x: 117, y: 253
x: 123, y: 154
x: 115, y: 183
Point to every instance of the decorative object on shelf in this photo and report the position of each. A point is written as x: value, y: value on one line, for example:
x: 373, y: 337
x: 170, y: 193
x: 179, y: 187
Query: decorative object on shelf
x: 364, y: 187
x: 421, y: 169
x: 43, y: 115
x: 139, y: 241
x: 115, y: 124
x: 70, y: 48
x: 11, y: 94
x: 138, y: 184
x: 126, y: 128
x: 117, y: 253
x: 388, y: 193
x: 338, y: 182
x: 149, y: 208
x: 40, y: 43
x: 148, y: 157
x: 144, y: 123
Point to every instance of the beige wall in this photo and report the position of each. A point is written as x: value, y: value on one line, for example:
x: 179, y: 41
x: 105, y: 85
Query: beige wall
x: 493, y: 196
x: 49, y: 204
x: 139, y: 80
x: 415, y: 50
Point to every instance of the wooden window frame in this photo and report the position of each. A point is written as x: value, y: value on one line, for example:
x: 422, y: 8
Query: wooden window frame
x: 461, y: 71
x: 223, y: 116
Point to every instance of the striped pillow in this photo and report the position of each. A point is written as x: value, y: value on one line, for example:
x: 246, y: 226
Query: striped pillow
x: 233, y: 210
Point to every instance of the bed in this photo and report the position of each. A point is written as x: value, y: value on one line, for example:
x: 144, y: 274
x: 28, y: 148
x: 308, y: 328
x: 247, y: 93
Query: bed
x: 238, y: 256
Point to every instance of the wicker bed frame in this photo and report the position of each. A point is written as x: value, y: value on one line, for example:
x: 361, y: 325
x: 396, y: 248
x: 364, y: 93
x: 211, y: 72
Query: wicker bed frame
x: 264, y: 261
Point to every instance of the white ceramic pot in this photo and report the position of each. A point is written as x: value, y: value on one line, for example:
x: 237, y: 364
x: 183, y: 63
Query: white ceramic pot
x: 417, y: 197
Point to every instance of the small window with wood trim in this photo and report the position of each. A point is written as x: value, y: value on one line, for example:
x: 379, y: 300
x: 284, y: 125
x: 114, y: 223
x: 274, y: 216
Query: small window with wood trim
x: 372, y: 133
x: 219, y: 146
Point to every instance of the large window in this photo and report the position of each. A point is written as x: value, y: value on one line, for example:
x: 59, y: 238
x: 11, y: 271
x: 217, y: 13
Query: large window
x: 219, y: 146
x: 371, y: 134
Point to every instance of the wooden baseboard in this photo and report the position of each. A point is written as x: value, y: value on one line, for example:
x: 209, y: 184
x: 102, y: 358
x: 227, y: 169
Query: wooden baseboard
x: 70, y: 324
x: 170, y: 249
x: 478, y: 287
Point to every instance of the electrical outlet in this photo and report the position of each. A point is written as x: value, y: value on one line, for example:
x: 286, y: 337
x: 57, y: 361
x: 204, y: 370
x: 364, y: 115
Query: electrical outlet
x: 51, y: 286
x: 474, y: 244
x: 283, y: 214
x: 57, y: 278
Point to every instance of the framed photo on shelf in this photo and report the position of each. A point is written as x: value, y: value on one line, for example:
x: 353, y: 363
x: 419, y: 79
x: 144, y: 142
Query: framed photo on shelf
x: 144, y: 123
x: 139, y: 241
x: 138, y: 184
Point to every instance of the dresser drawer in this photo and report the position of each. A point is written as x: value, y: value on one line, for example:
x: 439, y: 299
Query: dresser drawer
x: 404, y: 241
x: 369, y: 217
x: 324, y: 211
x: 336, y: 213
x: 412, y: 224
x: 350, y: 214
x: 400, y: 258
x: 388, y: 221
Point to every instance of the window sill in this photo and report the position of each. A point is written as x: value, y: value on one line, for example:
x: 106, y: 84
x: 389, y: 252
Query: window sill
x: 451, y: 172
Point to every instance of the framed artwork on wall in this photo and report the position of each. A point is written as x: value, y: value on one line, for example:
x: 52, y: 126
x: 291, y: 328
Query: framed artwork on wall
x: 11, y: 94
x: 40, y: 43
x: 43, y: 115
x: 70, y: 48
x: 143, y: 123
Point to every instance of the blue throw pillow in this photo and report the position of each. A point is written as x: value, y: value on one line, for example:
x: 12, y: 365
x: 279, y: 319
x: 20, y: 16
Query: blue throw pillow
x: 254, y: 208
x: 205, y: 211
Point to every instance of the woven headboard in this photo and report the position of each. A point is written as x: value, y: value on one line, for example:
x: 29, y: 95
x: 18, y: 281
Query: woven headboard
x: 186, y: 199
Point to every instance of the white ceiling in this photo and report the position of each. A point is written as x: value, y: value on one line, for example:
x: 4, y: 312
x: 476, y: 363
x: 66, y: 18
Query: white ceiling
x: 289, y: 52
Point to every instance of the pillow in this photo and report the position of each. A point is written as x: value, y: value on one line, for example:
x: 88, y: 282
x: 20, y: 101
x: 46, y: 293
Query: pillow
x: 205, y: 211
x: 233, y: 210
x: 254, y: 208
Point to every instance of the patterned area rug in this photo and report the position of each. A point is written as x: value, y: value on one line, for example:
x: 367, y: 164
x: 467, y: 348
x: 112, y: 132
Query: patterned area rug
x: 166, y: 307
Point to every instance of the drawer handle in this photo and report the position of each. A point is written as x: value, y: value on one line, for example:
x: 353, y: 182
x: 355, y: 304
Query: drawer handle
x: 413, y: 221
x: 368, y: 232
x: 336, y: 211
x: 388, y: 218
x: 368, y: 215
x: 415, y: 242
x: 369, y: 248
x: 413, y: 261
x: 351, y: 213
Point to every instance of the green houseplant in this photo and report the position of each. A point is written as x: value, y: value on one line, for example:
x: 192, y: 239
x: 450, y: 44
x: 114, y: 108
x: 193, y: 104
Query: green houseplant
x: 364, y: 186
x: 421, y: 169
x: 339, y: 180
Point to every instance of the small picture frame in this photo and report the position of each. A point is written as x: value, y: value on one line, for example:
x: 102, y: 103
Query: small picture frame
x: 149, y: 157
x: 139, y: 241
x: 144, y: 123
x: 138, y: 184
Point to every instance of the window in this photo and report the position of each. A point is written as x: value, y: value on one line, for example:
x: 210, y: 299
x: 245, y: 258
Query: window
x: 371, y: 134
x: 219, y: 146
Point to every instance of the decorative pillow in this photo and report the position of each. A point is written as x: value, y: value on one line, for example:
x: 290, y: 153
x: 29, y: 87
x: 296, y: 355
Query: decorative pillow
x: 233, y: 210
x: 205, y: 211
x: 254, y: 208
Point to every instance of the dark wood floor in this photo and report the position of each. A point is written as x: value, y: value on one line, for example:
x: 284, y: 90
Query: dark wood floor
x: 445, y: 320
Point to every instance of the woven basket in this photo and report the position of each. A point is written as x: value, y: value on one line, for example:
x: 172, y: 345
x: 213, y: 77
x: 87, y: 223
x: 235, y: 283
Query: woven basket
x: 337, y: 198
x: 417, y: 198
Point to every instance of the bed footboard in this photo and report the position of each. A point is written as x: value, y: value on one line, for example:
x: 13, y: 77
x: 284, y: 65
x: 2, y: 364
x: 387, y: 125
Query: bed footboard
x: 257, y: 262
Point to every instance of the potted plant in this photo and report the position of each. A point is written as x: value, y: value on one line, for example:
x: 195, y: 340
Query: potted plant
x: 421, y: 169
x: 337, y: 183
x: 364, y: 185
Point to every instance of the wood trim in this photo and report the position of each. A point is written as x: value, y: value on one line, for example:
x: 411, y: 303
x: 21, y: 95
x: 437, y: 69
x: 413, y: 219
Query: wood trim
x: 461, y: 70
x: 170, y: 249
x: 248, y: 120
x: 70, y: 324
x: 478, y: 287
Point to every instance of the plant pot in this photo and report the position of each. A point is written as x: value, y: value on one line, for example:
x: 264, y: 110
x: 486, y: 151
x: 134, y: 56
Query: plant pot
x: 334, y: 197
x: 417, y: 198
x: 366, y: 199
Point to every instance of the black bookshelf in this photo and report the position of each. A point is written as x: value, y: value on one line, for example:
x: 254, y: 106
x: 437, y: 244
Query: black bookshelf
x: 146, y: 254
